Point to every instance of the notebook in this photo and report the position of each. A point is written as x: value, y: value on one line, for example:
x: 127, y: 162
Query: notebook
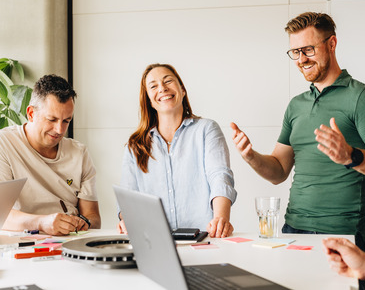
x: 157, y: 257
x: 9, y: 193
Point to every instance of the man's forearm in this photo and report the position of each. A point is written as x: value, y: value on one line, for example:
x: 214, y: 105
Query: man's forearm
x: 268, y: 167
x: 90, y: 210
x: 18, y: 221
x: 95, y: 221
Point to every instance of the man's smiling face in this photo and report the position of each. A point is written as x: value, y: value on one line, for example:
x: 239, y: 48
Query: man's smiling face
x: 314, y: 68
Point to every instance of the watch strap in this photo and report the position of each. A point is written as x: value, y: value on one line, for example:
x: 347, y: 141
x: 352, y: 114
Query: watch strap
x: 85, y: 219
x: 357, y: 158
x: 353, y: 164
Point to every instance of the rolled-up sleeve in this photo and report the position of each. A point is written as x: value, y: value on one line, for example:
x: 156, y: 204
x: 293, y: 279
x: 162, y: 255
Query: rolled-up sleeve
x: 129, y: 180
x: 88, y: 178
x: 217, y: 164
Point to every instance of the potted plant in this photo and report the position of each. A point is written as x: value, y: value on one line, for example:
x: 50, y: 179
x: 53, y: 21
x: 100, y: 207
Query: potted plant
x: 14, y: 99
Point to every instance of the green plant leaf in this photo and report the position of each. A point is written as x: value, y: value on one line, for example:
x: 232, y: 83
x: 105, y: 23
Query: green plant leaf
x: 5, y: 79
x: 8, y: 70
x: 6, y: 82
x: 13, y: 116
x: 3, y: 64
x: 2, y: 107
x: 18, y: 96
x: 6, y: 66
x: 19, y: 69
x: 4, y: 94
x: 14, y: 99
x: 3, y: 122
x: 25, y: 102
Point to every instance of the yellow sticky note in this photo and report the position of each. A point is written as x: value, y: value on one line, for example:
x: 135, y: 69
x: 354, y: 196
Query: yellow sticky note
x: 78, y: 233
x: 269, y: 245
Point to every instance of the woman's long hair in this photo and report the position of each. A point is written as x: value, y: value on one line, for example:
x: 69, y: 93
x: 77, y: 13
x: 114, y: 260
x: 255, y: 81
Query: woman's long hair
x: 140, y: 141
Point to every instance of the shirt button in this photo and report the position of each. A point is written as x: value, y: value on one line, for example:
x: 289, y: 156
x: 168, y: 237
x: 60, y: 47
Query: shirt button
x: 172, y: 210
x: 170, y: 190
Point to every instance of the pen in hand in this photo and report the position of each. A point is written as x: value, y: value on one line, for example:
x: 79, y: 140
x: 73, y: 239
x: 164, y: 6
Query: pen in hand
x: 64, y: 208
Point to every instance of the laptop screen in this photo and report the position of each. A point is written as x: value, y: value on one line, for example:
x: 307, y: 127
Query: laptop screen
x: 9, y: 193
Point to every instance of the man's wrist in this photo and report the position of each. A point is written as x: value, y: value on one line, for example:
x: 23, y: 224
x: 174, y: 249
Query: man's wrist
x: 249, y: 158
x: 357, y: 157
x: 349, y: 160
x: 85, y: 220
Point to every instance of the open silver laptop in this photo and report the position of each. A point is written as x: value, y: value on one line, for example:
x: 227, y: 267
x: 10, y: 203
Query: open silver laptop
x: 157, y: 257
x: 9, y: 193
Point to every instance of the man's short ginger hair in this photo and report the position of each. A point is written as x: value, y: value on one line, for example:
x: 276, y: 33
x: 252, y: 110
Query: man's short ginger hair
x: 321, y: 21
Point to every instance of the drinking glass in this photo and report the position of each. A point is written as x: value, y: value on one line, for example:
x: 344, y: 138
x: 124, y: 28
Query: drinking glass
x: 267, y: 209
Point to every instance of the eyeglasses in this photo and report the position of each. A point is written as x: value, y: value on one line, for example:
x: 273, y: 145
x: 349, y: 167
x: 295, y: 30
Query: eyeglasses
x: 308, y: 51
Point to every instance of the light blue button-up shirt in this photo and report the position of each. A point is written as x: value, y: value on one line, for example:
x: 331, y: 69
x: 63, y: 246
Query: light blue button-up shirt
x: 189, y: 176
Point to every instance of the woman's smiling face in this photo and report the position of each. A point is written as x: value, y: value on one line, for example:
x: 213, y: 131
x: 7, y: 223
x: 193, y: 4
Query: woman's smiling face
x: 164, y: 90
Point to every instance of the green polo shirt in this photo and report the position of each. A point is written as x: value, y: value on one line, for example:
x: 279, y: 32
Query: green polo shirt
x: 325, y: 196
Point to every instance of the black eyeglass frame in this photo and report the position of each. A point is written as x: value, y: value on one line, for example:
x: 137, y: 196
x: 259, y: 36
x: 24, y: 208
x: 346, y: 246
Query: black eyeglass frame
x: 300, y: 49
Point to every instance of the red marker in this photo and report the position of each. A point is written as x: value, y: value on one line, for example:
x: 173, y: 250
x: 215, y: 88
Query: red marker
x: 37, y: 254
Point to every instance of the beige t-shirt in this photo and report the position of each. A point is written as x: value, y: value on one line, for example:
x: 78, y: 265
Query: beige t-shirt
x: 70, y: 176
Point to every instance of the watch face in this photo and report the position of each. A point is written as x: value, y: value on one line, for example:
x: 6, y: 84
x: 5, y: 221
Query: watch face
x: 357, y: 156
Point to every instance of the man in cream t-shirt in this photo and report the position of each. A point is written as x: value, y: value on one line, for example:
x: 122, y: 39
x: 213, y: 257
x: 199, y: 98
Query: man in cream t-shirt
x: 58, y: 168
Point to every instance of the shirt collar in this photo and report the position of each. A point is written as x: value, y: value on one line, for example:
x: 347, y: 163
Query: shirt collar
x: 186, y: 122
x: 343, y: 80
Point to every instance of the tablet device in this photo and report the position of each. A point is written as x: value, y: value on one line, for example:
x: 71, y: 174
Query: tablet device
x: 185, y: 233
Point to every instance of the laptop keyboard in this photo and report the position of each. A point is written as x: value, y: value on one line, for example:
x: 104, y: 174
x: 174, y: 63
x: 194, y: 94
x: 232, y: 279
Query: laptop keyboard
x: 199, y: 279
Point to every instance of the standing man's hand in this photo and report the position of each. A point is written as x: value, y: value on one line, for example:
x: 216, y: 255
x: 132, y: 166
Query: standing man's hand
x: 333, y: 143
x: 243, y: 144
x: 275, y: 167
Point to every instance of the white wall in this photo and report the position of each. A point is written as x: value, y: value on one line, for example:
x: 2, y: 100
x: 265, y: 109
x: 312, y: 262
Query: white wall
x: 35, y: 33
x: 350, y: 21
x: 231, y: 55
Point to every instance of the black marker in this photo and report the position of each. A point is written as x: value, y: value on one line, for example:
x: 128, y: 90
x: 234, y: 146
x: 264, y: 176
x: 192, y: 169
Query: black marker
x: 64, y: 208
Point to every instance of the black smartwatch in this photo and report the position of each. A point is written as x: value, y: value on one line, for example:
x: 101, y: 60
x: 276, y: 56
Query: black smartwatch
x: 357, y: 158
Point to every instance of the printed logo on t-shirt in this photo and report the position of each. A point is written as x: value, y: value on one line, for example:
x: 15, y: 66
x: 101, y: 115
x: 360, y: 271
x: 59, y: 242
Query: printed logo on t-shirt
x: 69, y: 181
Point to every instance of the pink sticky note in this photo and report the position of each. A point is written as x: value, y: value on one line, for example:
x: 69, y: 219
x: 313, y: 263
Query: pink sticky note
x: 238, y: 240
x: 204, y: 247
x: 36, y: 237
x: 52, y: 240
x: 296, y: 247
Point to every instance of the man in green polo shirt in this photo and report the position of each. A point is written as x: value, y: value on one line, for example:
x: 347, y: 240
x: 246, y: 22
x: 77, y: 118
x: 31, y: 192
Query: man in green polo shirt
x: 328, y: 190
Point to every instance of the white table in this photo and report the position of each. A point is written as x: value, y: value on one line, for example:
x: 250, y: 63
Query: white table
x: 291, y: 268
